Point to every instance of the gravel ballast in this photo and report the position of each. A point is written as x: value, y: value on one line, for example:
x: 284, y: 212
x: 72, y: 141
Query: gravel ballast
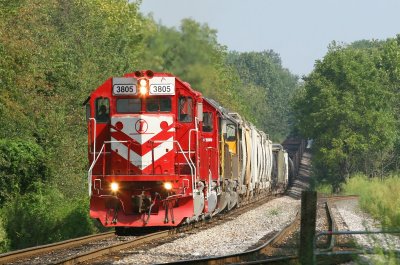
x: 230, y: 237
x: 357, y: 220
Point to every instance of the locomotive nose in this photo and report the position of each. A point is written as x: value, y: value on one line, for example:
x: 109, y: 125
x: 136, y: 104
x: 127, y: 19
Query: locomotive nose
x: 143, y: 144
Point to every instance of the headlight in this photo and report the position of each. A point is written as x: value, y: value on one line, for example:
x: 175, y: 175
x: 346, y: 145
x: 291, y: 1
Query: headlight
x: 143, y: 84
x: 114, y: 186
x: 143, y: 90
x: 168, y: 185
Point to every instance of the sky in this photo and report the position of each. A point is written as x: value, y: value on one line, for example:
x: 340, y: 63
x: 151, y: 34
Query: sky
x: 298, y: 30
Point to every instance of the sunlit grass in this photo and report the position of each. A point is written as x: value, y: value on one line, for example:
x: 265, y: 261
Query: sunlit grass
x: 324, y: 188
x: 380, y: 198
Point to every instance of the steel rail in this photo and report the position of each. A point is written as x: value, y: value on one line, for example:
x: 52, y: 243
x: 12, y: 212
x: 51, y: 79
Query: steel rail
x: 29, y: 252
x: 159, y: 235
x: 150, y: 237
x: 259, y: 254
x: 117, y: 247
x: 255, y: 255
x: 332, y: 226
x: 34, y: 251
x: 338, y: 197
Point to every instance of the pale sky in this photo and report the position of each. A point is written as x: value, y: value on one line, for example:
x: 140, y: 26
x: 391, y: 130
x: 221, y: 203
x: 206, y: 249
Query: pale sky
x: 298, y: 30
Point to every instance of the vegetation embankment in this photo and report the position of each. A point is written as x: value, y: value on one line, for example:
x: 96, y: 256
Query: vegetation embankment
x: 53, y: 53
x: 378, y: 197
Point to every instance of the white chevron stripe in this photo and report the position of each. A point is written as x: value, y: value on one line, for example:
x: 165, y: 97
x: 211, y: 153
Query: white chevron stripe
x: 152, y: 126
x: 143, y: 161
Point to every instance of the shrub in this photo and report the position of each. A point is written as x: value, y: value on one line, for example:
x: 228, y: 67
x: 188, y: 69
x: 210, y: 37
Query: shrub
x: 4, y: 242
x: 21, y: 164
x: 44, y: 217
x: 324, y: 188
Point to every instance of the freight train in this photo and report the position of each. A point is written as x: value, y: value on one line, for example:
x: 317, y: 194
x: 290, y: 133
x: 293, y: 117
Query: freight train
x: 161, y: 154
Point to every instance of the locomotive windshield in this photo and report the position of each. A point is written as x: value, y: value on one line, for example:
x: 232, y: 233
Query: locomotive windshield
x: 129, y: 105
x: 158, y: 105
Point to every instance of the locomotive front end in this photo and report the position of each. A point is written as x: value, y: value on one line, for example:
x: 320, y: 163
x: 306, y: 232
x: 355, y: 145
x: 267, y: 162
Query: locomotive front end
x: 135, y: 178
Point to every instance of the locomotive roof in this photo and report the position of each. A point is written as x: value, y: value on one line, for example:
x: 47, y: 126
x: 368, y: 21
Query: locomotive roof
x: 224, y: 112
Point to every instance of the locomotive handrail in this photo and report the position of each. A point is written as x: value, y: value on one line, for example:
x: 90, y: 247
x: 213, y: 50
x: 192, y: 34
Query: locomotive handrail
x: 196, y: 129
x: 94, y: 137
x: 189, y: 146
x: 91, y: 169
x: 190, y: 163
x: 95, y: 161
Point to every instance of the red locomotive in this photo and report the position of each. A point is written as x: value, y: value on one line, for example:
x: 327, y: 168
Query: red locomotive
x: 161, y: 154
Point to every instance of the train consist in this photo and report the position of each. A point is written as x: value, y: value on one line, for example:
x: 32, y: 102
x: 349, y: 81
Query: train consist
x: 161, y: 154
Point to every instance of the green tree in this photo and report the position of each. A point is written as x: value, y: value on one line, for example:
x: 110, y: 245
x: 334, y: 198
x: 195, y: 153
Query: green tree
x: 347, y: 108
x: 52, y: 54
x: 193, y: 54
x: 274, y: 86
x: 48, y: 71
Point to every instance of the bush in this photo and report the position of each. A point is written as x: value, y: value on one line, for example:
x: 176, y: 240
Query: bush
x: 324, y: 188
x: 21, y: 164
x: 4, y: 242
x: 45, y: 217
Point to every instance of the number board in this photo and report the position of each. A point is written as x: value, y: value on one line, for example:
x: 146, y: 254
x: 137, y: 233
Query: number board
x: 124, y: 86
x: 162, y: 86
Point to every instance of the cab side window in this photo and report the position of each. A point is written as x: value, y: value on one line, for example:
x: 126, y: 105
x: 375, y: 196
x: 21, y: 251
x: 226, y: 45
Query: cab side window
x: 102, y: 110
x: 230, y: 132
x: 207, y: 122
x: 185, y: 109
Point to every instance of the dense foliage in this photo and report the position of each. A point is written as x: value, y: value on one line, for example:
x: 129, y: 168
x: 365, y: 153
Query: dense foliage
x: 22, y: 163
x: 349, y: 106
x: 268, y: 86
x: 233, y: 79
x: 53, y: 53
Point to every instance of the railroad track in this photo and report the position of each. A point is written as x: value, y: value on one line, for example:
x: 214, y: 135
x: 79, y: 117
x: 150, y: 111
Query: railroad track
x: 170, y: 235
x: 262, y: 254
x: 38, y: 254
x: 35, y: 251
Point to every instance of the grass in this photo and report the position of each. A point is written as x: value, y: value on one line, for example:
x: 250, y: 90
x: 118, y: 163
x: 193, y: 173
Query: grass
x: 274, y: 212
x: 378, y: 197
x: 324, y: 188
x: 381, y: 199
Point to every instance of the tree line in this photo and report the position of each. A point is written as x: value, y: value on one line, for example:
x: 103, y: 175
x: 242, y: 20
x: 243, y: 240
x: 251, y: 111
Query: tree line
x: 54, y: 52
x: 349, y: 105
